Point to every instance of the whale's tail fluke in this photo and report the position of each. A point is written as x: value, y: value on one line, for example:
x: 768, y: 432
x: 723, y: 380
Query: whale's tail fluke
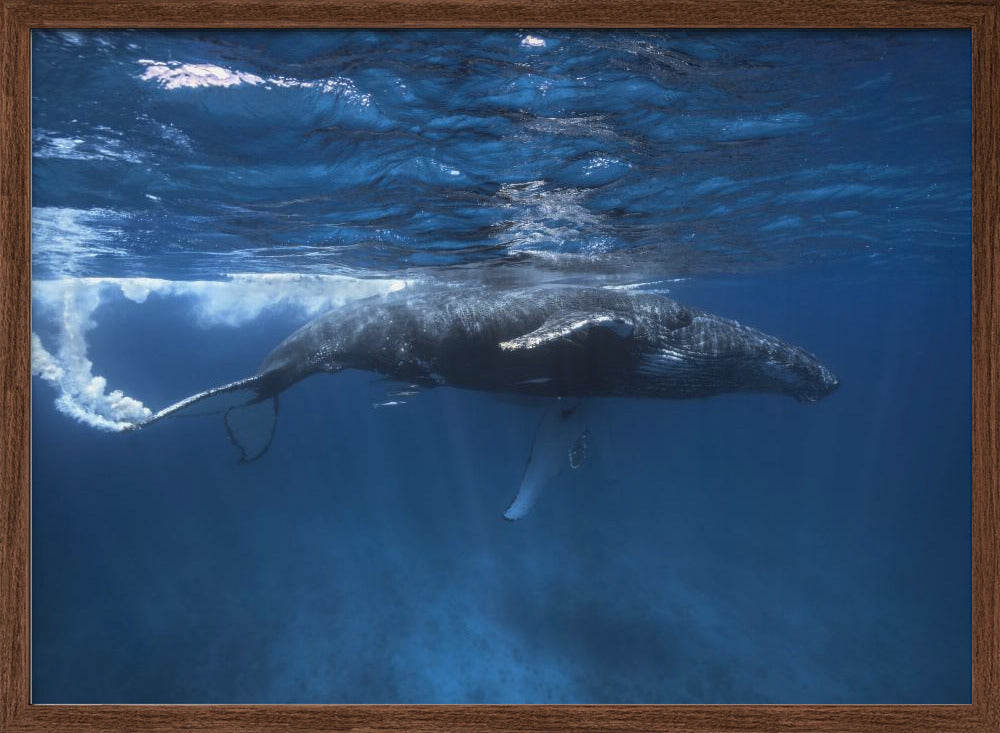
x: 249, y: 409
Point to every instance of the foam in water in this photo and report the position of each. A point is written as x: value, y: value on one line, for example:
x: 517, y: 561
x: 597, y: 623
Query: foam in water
x: 177, y: 75
x: 82, y: 395
x: 70, y: 304
x: 65, y: 240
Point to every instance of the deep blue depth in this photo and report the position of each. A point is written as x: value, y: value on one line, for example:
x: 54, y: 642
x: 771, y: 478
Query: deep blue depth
x: 740, y: 549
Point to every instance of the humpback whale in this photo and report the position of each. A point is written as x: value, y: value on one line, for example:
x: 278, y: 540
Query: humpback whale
x: 561, y: 344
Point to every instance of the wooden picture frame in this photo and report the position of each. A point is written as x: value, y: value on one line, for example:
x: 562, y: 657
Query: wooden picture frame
x: 19, y: 17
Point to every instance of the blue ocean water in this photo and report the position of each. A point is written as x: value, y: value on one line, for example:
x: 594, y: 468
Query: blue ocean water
x: 199, y: 195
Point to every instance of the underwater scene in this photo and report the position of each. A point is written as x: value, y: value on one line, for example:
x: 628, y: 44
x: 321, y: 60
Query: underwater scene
x: 515, y: 366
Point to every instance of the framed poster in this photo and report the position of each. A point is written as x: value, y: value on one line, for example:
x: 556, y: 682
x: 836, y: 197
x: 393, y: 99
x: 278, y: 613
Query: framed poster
x: 498, y: 367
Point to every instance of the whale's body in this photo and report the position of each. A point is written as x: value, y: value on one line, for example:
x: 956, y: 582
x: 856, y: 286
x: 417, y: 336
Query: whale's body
x: 547, y: 342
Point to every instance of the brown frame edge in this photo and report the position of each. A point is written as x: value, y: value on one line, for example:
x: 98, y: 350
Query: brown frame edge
x: 18, y: 17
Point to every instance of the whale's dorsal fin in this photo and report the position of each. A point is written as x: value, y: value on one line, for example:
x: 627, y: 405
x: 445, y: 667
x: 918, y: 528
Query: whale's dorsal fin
x: 571, y: 327
x: 559, y: 442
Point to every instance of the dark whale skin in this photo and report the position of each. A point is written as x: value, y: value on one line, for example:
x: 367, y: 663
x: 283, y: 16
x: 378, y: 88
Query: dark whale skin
x: 594, y: 342
x: 539, y: 342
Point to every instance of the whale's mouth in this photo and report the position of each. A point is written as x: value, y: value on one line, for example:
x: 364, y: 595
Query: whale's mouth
x: 799, y: 376
x: 826, y: 384
x: 830, y: 382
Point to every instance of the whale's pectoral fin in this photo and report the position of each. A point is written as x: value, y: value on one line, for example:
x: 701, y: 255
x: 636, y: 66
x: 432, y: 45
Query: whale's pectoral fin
x: 573, y: 327
x: 560, y: 441
x: 251, y: 427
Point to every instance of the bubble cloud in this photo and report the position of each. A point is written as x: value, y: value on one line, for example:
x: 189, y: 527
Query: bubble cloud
x: 68, y: 307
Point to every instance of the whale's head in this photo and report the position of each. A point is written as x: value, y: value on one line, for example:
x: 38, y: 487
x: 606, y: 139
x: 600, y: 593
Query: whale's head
x: 797, y: 373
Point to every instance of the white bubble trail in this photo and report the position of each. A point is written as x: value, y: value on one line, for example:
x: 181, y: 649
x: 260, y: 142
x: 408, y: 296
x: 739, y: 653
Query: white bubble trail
x: 69, y: 305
